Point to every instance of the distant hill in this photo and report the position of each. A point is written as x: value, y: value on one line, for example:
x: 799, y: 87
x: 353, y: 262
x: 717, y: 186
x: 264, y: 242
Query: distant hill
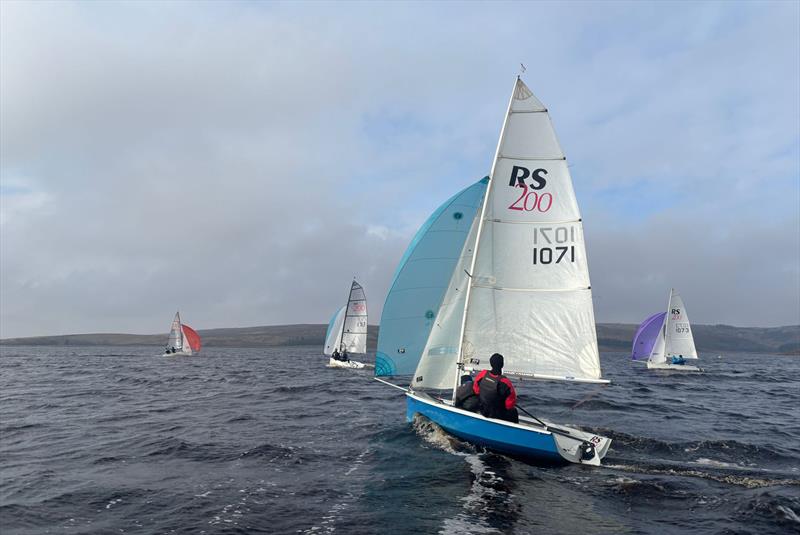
x: 611, y: 337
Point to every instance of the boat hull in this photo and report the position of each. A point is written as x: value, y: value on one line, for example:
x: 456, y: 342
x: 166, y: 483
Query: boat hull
x: 526, y: 439
x: 178, y: 354
x: 354, y: 364
x: 673, y: 367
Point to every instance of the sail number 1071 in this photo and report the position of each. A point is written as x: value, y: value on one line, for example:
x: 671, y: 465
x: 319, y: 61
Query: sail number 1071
x: 562, y: 240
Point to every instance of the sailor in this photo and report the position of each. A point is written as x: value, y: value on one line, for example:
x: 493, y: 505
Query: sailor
x: 345, y: 358
x: 678, y: 360
x: 465, y: 396
x: 335, y: 354
x: 496, y: 393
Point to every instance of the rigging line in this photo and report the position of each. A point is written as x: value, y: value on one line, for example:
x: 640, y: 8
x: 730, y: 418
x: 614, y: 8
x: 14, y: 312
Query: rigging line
x: 583, y: 400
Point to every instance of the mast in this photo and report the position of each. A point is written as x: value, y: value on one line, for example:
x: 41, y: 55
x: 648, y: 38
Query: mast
x: 346, y: 310
x: 666, y: 323
x: 459, y: 363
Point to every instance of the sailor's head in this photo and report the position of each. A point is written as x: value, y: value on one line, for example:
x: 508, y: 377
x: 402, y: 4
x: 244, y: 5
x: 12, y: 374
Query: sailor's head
x: 496, y: 361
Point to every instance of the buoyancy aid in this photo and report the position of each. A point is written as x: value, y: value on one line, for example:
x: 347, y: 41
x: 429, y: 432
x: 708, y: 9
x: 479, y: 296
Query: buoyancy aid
x: 492, y: 401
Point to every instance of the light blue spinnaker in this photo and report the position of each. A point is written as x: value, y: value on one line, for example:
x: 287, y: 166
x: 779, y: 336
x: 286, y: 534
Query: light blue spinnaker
x: 333, y: 334
x: 421, y: 280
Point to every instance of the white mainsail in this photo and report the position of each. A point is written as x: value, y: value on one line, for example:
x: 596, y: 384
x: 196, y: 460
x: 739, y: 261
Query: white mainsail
x: 354, y: 328
x: 678, y: 331
x: 529, y: 296
x: 175, y: 333
x: 347, y: 330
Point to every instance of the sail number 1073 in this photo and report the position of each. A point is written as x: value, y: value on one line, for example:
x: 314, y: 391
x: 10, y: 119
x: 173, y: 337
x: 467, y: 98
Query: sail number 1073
x: 562, y: 240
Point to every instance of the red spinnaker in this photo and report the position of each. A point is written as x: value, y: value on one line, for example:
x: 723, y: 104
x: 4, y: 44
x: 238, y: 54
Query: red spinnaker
x: 192, y: 337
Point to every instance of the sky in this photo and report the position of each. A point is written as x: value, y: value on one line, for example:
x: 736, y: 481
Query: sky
x: 243, y: 161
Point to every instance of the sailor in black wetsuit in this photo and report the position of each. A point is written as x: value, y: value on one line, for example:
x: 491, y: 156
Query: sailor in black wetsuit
x: 497, y: 395
x: 465, y: 396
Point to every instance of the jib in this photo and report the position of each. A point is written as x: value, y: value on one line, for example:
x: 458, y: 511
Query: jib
x: 519, y: 174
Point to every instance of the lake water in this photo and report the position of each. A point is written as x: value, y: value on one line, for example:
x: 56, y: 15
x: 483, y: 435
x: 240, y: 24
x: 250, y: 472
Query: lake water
x: 272, y: 441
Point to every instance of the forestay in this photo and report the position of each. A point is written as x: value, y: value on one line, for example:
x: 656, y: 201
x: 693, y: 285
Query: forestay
x: 678, y: 331
x: 530, y: 298
x: 420, y: 282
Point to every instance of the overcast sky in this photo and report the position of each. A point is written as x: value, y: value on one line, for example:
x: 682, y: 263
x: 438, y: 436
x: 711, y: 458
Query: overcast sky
x: 243, y: 161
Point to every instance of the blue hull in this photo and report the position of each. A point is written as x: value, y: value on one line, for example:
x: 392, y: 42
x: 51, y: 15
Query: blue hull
x: 496, y: 435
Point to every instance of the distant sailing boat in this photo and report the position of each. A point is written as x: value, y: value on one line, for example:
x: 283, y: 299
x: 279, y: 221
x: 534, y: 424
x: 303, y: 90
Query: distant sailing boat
x: 183, y: 340
x: 665, y: 340
x: 501, y: 267
x: 347, y: 330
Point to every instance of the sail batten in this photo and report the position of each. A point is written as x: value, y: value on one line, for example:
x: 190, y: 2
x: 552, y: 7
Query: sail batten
x: 500, y: 289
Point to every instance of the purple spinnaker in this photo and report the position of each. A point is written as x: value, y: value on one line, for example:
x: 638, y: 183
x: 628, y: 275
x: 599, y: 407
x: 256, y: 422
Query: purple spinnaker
x: 646, y: 336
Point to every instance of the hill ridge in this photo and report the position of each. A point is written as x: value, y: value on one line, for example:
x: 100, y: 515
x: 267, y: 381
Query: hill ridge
x: 610, y: 337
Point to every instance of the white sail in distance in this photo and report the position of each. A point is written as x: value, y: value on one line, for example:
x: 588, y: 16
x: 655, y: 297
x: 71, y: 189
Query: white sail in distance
x: 678, y: 331
x: 354, y: 328
x: 530, y: 297
x: 175, y: 333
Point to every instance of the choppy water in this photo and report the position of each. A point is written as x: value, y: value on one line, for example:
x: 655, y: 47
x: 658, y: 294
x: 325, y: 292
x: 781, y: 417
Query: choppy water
x: 271, y: 441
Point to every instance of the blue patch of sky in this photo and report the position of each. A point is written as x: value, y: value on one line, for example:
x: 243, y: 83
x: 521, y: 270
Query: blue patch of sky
x: 631, y: 203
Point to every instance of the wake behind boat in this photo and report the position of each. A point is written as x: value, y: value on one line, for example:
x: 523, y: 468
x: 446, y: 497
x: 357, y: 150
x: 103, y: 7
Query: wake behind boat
x: 347, y: 331
x: 664, y: 340
x: 509, y: 275
x: 183, y: 340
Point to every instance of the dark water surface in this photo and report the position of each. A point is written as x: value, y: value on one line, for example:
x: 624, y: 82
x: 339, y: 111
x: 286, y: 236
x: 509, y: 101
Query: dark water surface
x: 271, y: 441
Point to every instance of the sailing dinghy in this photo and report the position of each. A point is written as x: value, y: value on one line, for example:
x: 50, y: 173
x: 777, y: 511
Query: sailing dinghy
x: 183, y: 340
x: 499, y: 268
x: 347, y: 330
x: 665, y: 340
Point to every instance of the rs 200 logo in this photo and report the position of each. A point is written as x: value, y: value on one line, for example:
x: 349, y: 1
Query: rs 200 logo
x: 530, y: 200
x: 520, y: 174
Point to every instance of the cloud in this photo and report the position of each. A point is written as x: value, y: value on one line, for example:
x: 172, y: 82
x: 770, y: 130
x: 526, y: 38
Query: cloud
x: 243, y: 161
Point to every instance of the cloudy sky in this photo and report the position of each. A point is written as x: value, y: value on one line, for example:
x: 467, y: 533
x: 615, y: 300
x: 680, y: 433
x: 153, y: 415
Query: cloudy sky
x: 243, y: 161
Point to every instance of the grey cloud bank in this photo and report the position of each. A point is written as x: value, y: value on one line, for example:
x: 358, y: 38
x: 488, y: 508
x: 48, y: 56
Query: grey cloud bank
x: 242, y: 162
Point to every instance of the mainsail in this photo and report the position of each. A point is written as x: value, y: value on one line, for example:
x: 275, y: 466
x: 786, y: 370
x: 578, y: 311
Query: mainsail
x: 175, y: 335
x: 421, y: 280
x: 678, y: 331
x: 354, y: 327
x: 646, y: 335
x: 347, y: 329
x: 528, y: 296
